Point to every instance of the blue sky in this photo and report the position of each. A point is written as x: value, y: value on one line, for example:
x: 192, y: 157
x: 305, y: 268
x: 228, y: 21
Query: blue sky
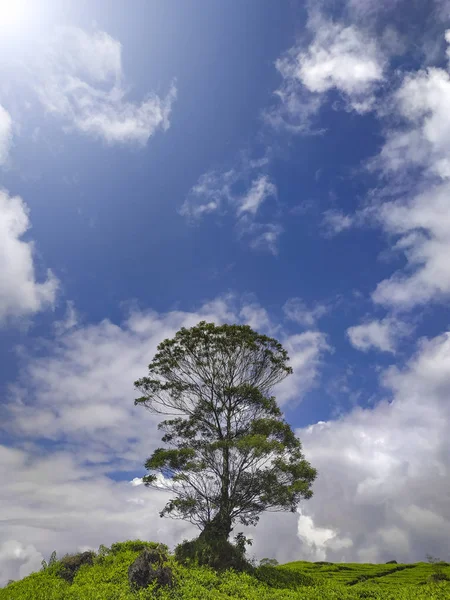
x: 280, y: 164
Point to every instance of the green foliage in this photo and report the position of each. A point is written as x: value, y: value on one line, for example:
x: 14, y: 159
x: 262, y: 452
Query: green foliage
x: 437, y: 568
x: 137, y: 546
x: 286, y: 578
x: 71, y: 563
x: 271, y: 562
x: 220, y: 379
x: 107, y: 579
x: 216, y: 554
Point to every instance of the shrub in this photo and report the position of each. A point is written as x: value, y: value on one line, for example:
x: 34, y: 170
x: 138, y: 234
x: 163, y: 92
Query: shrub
x: 367, y: 594
x: 437, y: 574
x: 272, y: 562
x: 220, y: 556
x: 323, y: 562
x: 283, y: 578
x: 136, y: 546
x: 70, y: 564
x: 391, y: 562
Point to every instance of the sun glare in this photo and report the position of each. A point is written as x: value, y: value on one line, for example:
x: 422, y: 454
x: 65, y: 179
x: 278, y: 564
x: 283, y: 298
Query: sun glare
x: 12, y: 14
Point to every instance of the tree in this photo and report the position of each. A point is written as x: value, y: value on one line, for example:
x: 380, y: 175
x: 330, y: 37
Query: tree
x: 234, y: 456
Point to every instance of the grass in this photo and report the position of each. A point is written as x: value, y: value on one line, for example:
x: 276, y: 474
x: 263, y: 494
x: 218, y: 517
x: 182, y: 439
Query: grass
x: 107, y: 579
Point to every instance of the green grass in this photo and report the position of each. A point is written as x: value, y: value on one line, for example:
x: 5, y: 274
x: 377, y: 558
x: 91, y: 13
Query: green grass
x: 107, y: 579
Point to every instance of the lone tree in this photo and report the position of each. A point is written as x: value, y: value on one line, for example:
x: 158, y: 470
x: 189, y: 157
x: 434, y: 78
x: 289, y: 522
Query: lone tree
x: 234, y: 455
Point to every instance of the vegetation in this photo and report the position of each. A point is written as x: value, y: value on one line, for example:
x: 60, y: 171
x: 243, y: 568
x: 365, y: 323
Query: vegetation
x: 234, y: 455
x: 107, y: 579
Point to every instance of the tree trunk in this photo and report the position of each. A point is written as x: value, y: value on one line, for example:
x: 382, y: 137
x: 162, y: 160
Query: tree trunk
x: 217, y: 529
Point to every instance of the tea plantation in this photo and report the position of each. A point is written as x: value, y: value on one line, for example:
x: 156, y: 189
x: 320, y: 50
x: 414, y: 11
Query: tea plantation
x: 106, y: 578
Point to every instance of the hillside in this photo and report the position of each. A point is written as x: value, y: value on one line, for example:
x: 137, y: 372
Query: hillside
x: 107, y: 579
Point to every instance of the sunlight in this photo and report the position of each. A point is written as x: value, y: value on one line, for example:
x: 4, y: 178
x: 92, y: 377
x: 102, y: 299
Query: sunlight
x: 12, y: 13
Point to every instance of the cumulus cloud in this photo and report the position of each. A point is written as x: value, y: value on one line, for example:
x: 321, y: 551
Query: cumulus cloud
x: 306, y: 351
x: 423, y: 140
x: 218, y: 192
x: 79, y: 78
x: 422, y: 227
x: 18, y: 559
x: 5, y: 134
x: 340, y: 57
x: 78, y: 393
x: 417, y: 152
x: 50, y: 501
x: 383, y: 472
x: 20, y: 292
x: 379, y: 334
x: 412, y: 204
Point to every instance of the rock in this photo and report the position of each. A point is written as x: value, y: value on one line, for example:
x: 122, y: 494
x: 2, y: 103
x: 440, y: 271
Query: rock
x: 147, y: 567
x: 71, y: 564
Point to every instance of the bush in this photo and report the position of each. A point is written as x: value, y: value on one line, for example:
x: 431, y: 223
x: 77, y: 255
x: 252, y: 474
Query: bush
x: 437, y: 574
x: 283, y: 578
x: 367, y: 594
x: 272, y: 562
x: 70, y: 564
x: 391, y: 562
x: 220, y: 555
x: 323, y: 562
x: 136, y: 546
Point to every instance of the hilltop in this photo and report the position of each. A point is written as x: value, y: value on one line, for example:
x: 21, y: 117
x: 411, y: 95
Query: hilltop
x: 104, y: 576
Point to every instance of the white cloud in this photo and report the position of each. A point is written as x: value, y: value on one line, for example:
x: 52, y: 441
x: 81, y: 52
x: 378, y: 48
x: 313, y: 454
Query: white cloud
x: 5, y: 134
x: 20, y: 293
x: 264, y: 235
x: 383, y: 472
x: 70, y: 319
x: 423, y: 227
x: 53, y: 502
x: 18, y: 560
x: 423, y: 141
x: 215, y: 192
x: 296, y: 310
x: 342, y: 58
x: 212, y: 191
x: 260, y: 190
x: 306, y: 351
x: 379, y: 334
x: 334, y: 222
x: 79, y: 78
x: 415, y: 159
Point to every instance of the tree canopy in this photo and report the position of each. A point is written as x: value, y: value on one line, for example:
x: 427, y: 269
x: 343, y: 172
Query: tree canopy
x: 233, y: 456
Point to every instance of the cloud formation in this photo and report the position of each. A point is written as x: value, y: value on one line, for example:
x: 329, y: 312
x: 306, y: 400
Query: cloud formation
x: 21, y: 294
x: 379, y: 334
x: 219, y: 192
x: 383, y: 480
x: 296, y: 310
x: 5, y: 134
x: 417, y: 153
x: 340, y: 57
x: 79, y: 78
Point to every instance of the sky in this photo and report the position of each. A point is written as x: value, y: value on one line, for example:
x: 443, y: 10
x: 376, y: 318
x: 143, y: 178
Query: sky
x: 280, y: 164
